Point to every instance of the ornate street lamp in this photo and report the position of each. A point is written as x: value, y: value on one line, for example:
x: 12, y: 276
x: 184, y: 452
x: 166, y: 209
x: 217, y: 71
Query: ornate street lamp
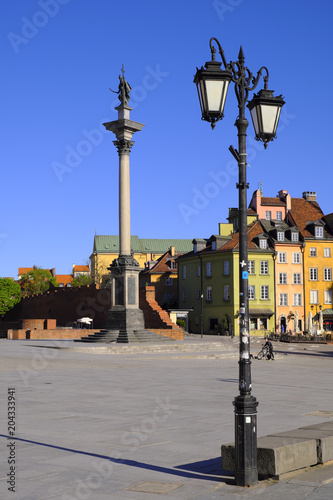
x: 212, y: 84
x: 265, y: 113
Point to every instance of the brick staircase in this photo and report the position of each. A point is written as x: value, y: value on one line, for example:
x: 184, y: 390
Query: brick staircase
x: 157, y: 318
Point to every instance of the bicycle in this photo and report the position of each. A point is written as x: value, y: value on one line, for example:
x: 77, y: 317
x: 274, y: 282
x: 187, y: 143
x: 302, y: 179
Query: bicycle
x: 264, y: 353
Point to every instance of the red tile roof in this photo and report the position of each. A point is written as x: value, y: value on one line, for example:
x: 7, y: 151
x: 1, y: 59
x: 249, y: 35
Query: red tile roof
x: 24, y: 270
x: 253, y: 230
x: 302, y: 212
x: 82, y: 269
x: 64, y: 278
x: 272, y: 201
x: 162, y: 266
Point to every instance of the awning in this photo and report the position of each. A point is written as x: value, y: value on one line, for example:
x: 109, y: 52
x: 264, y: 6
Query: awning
x: 327, y: 312
x: 261, y: 312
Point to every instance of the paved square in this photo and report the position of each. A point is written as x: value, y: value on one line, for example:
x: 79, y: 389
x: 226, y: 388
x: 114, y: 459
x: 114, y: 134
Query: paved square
x: 95, y: 424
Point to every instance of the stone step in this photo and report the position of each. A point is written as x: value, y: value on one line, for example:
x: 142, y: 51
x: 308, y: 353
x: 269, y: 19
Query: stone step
x: 125, y: 337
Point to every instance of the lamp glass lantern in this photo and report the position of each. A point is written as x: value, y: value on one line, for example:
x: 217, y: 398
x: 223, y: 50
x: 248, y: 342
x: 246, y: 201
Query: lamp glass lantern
x: 265, y: 113
x: 212, y: 84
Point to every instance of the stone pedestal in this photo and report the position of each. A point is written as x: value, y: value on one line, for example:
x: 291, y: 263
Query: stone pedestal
x: 124, y: 318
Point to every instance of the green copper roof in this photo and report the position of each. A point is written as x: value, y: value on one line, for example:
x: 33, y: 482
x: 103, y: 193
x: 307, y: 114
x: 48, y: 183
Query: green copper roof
x: 110, y: 244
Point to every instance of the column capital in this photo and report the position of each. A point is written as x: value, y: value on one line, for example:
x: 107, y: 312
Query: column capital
x: 123, y: 146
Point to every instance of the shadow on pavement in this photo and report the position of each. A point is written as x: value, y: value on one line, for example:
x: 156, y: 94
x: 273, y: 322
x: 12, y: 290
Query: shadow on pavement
x: 192, y: 473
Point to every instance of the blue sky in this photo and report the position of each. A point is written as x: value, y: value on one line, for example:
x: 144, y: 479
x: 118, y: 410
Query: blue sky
x: 59, y: 169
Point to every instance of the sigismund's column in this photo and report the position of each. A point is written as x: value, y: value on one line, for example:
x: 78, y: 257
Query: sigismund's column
x: 125, y: 318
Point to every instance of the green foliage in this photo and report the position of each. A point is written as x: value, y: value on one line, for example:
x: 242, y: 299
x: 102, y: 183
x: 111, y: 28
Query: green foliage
x: 37, y: 281
x: 10, y: 294
x: 181, y: 323
x: 81, y: 280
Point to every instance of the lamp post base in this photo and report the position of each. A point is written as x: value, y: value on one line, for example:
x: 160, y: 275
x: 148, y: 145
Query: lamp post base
x: 246, y: 469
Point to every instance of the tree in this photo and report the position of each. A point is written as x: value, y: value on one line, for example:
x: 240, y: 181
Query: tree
x: 10, y: 294
x: 37, y: 281
x: 82, y: 280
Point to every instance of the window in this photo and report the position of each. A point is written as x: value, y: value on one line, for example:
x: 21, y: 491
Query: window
x: 283, y: 299
x: 319, y: 231
x: 262, y: 323
x: 250, y: 267
x: 173, y: 264
x: 208, y: 269
x: 328, y: 296
x: 252, y: 294
x: 264, y: 292
x: 280, y: 236
x: 327, y: 252
x: 278, y: 215
x: 268, y: 215
x: 282, y: 278
x: 213, y: 245
x: 313, y: 252
x: 198, y: 271
x: 184, y: 272
x: 297, y: 299
x: 328, y: 274
x: 195, y: 248
x: 226, y: 267
x: 297, y: 278
x: 264, y: 267
x: 226, y: 292
x: 294, y: 236
x: 209, y: 294
x: 296, y: 258
x: 313, y: 273
x: 313, y: 296
x: 168, y: 281
x: 253, y: 324
x: 263, y: 243
x: 282, y: 257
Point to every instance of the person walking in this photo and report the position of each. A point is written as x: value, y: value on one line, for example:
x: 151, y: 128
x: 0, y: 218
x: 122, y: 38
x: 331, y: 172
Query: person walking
x: 269, y: 345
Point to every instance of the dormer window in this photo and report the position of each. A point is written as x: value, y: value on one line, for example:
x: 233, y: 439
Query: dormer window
x: 319, y: 231
x: 294, y: 236
x: 213, y: 245
x: 280, y: 236
x: 195, y: 248
x: 263, y: 243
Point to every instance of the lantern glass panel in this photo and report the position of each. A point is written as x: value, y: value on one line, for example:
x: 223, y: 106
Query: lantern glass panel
x: 270, y: 116
x: 254, y: 117
x: 216, y: 95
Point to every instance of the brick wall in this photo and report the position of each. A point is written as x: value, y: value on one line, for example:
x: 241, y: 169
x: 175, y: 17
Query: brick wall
x: 33, y: 324
x: 65, y: 333
x: 63, y: 306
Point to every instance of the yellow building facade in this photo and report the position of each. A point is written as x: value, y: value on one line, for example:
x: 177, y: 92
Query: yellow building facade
x: 106, y: 249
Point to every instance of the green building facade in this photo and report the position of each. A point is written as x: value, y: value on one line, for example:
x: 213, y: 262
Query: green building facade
x: 209, y: 283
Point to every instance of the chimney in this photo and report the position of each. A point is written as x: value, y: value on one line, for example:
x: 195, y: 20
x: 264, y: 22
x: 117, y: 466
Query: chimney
x: 310, y: 195
x: 172, y: 251
x: 282, y: 194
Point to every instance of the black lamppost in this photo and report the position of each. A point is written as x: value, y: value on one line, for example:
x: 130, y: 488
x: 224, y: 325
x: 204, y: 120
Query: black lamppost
x: 212, y: 84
